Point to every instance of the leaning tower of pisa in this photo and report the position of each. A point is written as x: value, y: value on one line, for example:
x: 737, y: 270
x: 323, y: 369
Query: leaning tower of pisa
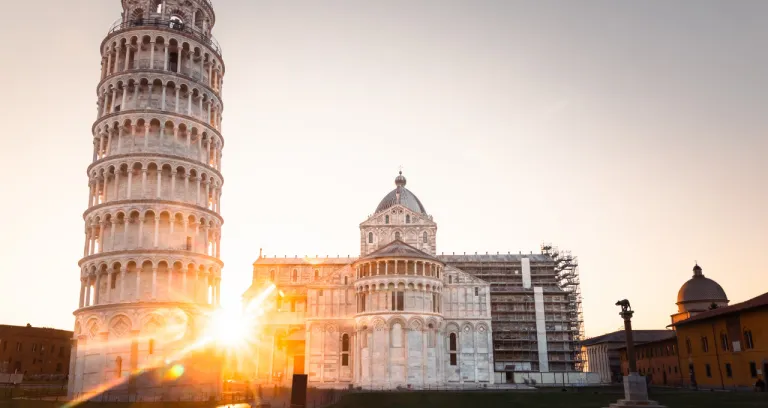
x: 150, y: 270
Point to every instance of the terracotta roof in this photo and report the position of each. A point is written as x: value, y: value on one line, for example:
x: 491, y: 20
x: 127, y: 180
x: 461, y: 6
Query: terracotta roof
x: 671, y: 335
x: 754, y: 303
x: 398, y: 249
x: 640, y: 336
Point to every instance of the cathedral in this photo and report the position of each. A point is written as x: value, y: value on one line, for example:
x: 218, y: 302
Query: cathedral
x: 400, y: 315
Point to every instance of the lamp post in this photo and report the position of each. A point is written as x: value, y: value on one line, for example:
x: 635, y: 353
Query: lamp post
x: 635, y: 387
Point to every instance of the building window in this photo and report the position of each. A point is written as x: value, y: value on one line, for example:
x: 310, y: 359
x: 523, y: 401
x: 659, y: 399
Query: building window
x: 345, y: 280
x: 724, y: 341
x: 748, y: 343
x: 398, y: 300
x: 361, y: 306
x: 151, y: 346
x: 317, y: 274
x: 58, y: 367
x: 704, y: 344
x: 320, y: 292
x: 728, y: 370
x: 397, y: 235
x: 386, y: 219
x: 189, y: 243
x: 452, y: 347
x: 345, y: 350
x: 119, y: 367
x: 477, y: 291
x: 407, y: 218
x: 370, y: 237
x: 688, y: 345
x: 295, y: 276
x: 753, y: 369
x: 272, y: 275
x: 450, y: 278
x: 709, y: 370
x: 34, y: 347
x: 425, y: 237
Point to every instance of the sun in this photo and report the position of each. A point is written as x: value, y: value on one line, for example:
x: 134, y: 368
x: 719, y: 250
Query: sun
x: 229, y: 327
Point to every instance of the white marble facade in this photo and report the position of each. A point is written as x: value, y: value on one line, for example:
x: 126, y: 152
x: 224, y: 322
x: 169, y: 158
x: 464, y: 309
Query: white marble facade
x: 395, y: 317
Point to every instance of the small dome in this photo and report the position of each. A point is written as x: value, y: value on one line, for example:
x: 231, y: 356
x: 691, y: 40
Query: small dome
x: 402, y: 196
x: 701, y: 289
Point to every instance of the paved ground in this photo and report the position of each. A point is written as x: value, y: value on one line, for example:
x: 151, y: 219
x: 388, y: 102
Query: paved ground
x: 546, y: 398
x: 583, y: 398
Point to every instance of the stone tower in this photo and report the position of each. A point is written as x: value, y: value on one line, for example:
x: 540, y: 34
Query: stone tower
x: 150, y: 271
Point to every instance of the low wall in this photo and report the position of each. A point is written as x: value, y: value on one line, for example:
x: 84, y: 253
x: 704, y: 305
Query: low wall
x: 11, y: 378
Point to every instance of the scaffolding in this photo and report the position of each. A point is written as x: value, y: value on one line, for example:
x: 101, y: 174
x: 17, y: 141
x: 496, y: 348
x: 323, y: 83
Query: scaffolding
x: 567, y: 272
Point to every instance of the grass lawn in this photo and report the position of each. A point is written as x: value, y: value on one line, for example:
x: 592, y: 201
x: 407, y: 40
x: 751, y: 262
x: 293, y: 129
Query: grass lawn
x: 585, y: 398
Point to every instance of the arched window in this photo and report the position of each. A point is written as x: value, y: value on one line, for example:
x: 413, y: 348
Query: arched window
x: 345, y: 342
x: 119, y: 367
x: 157, y: 6
x: 317, y: 274
x: 425, y: 237
x: 370, y: 237
x: 199, y: 19
x: 748, y: 342
x: 407, y: 218
x: 295, y: 276
x: 386, y: 219
x: 450, y: 278
x: 272, y: 275
x: 452, y: 348
x: 345, y: 350
x: 397, y: 235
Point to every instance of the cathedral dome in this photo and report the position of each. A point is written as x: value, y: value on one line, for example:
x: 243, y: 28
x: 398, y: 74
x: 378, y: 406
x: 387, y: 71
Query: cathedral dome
x: 700, y: 289
x: 403, y: 196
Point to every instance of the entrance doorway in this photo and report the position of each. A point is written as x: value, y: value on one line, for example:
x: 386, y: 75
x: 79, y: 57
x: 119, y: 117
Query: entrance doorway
x: 298, y: 364
x: 510, y: 377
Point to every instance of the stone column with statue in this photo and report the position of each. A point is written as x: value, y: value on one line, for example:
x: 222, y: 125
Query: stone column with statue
x: 635, y: 387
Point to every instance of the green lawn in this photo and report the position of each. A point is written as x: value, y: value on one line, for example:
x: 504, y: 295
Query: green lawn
x: 586, y: 398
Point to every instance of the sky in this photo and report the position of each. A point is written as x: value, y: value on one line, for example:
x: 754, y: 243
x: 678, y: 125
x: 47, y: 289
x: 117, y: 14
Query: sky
x: 633, y: 134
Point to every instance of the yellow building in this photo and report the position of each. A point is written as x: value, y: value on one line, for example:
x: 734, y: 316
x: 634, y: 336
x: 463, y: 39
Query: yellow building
x: 726, y: 347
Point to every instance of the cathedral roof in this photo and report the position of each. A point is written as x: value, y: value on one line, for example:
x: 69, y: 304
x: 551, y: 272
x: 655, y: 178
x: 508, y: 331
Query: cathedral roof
x: 700, y: 289
x: 398, y: 249
x: 402, y: 196
x: 304, y: 261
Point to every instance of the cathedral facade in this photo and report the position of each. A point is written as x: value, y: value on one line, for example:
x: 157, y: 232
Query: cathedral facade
x: 397, y: 316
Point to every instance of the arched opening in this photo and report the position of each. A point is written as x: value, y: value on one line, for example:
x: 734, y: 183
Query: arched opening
x: 425, y: 237
x: 345, y: 350
x: 157, y: 6
x: 397, y: 235
x: 137, y: 16
x: 370, y: 237
x: 407, y: 218
x: 386, y: 219
x: 452, y: 348
x: 151, y: 349
x: 294, y: 276
x: 199, y: 19
x: 176, y: 23
x: 272, y: 275
x: 317, y: 274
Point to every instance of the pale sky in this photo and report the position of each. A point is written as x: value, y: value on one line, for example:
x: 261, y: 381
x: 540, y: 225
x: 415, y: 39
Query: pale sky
x: 632, y: 133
